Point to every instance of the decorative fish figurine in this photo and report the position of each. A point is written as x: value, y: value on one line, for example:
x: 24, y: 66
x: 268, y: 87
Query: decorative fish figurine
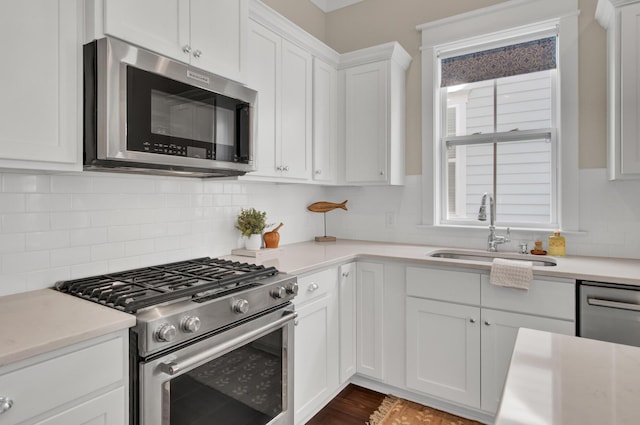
x: 326, y: 206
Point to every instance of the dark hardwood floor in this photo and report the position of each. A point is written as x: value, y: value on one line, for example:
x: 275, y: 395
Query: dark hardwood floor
x: 355, y: 404
x: 352, y: 406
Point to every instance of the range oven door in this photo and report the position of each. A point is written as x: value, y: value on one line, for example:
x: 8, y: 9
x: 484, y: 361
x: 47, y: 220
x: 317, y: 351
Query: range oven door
x: 240, y: 376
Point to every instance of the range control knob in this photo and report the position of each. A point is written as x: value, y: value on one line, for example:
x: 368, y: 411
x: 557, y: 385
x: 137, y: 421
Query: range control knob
x: 278, y: 292
x: 240, y: 306
x: 166, y: 332
x: 190, y: 324
x: 292, y: 288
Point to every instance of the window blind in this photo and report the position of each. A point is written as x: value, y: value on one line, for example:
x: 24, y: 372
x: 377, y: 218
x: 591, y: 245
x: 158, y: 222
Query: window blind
x: 506, y: 61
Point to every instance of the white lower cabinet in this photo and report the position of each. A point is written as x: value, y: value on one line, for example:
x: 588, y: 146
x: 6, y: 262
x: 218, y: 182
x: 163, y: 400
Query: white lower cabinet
x: 461, y: 331
x: 443, y: 343
x: 317, y: 361
x: 370, y: 320
x: 498, y: 332
x: 85, y: 383
x: 348, y: 347
x: 106, y: 409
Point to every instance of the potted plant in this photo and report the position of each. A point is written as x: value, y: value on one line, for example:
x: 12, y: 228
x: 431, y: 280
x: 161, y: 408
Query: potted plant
x: 251, y: 223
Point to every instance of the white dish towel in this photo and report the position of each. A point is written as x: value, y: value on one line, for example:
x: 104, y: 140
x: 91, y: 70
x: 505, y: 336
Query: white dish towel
x: 512, y: 273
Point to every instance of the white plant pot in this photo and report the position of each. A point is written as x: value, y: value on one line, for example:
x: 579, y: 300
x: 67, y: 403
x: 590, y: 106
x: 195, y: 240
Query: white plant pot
x: 253, y: 242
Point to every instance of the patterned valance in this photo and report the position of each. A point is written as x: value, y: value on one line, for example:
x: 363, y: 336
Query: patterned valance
x: 521, y: 58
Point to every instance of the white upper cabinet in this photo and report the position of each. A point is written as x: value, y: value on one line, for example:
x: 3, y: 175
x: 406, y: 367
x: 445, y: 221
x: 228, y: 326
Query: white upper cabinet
x: 41, y: 85
x: 373, y: 83
x: 208, y: 34
x: 295, y: 76
x: 281, y: 72
x: 621, y: 19
x: 325, y: 121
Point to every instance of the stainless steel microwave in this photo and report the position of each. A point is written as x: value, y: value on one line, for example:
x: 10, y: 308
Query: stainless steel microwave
x: 147, y: 113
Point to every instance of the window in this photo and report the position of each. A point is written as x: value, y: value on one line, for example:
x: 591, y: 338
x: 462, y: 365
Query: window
x: 495, y: 124
x: 498, y: 133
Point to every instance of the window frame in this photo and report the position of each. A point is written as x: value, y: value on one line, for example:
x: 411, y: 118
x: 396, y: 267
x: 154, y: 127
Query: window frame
x: 502, y: 24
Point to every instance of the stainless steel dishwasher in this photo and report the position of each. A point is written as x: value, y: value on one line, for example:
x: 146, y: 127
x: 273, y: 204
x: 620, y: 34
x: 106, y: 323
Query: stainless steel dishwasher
x: 609, y: 312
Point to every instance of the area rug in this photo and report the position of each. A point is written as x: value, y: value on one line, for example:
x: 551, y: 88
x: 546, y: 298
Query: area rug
x: 398, y: 411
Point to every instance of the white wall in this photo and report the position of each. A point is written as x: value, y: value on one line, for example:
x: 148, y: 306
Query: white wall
x: 56, y: 227
x: 609, y: 218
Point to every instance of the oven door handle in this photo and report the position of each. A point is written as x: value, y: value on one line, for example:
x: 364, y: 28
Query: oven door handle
x: 613, y: 304
x: 175, y: 367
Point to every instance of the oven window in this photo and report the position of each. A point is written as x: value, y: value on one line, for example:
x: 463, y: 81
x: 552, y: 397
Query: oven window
x: 242, y: 387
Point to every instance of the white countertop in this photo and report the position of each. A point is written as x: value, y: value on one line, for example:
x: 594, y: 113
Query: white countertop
x: 45, y: 320
x: 564, y: 380
x: 304, y: 257
x: 39, y: 321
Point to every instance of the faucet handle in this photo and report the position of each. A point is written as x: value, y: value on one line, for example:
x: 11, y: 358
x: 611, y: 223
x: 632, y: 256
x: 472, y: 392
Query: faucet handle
x: 507, y: 238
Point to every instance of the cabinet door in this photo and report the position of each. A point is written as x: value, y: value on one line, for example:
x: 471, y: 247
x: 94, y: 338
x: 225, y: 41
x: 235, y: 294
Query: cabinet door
x: 263, y: 75
x: 347, y: 321
x: 158, y: 25
x: 40, y: 82
x: 366, y: 123
x: 630, y: 89
x: 316, y: 355
x: 443, y: 350
x: 499, y: 331
x: 107, y: 409
x: 294, y: 149
x: 369, y: 320
x: 218, y: 30
x: 325, y: 121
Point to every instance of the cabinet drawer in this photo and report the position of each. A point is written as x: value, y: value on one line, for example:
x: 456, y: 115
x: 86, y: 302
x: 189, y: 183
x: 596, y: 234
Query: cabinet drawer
x: 446, y: 285
x: 548, y: 297
x: 54, y: 382
x: 316, y: 285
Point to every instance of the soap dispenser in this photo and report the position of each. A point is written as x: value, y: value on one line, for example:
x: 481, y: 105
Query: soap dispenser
x: 557, y: 245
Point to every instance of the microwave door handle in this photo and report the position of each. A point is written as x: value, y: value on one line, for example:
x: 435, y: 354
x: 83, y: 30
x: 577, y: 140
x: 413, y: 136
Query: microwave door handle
x: 613, y: 304
x: 175, y: 367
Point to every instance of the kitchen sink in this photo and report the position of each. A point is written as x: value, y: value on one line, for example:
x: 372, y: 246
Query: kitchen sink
x: 488, y: 257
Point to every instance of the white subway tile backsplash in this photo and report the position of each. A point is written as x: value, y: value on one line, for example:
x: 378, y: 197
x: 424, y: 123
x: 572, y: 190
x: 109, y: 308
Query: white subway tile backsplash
x: 76, y: 225
x: 12, y: 283
x: 70, y: 256
x: 36, y: 241
x: 123, y: 233
x: 25, y: 261
x: 25, y: 222
x: 153, y: 230
x: 70, y: 220
x: 123, y: 264
x: 41, y: 279
x: 12, y: 242
x: 89, y: 269
x: 139, y: 247
x: 26, y: 183
x: 107, y: 251
x: 88, y: 236
x: 48, y: 202
x: 71, y: 184
x: 12, y: 202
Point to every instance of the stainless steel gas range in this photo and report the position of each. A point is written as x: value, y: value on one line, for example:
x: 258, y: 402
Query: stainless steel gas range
x: 213, y: 343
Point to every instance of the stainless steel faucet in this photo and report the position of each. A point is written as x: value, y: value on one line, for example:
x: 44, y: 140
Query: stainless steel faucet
x: 493, y: 240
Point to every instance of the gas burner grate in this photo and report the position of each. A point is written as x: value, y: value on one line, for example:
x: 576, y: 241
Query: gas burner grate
x: 136, y: 289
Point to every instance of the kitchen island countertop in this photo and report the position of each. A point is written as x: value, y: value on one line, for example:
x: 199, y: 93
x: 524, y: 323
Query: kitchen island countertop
x: 565, y: 380
x: 303, y: 257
